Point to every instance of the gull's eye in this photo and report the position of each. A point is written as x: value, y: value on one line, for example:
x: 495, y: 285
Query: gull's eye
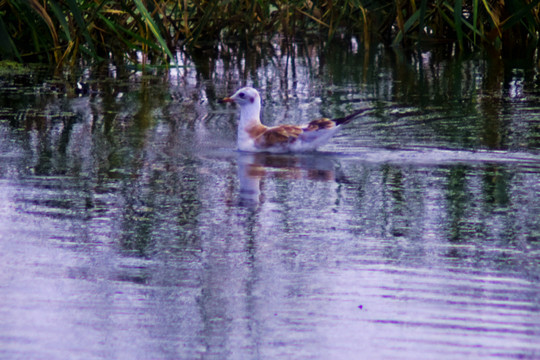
x: 241, y: 94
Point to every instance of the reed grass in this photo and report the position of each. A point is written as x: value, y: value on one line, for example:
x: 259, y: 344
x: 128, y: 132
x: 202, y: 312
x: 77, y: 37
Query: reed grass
x: 67, y: 31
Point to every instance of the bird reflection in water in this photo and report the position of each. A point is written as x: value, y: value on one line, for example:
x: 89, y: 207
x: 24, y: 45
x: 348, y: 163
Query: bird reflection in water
x: 254, y: 168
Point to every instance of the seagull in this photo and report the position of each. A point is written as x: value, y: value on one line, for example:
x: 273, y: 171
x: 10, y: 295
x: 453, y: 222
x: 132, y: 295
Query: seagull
x: 253, y: 136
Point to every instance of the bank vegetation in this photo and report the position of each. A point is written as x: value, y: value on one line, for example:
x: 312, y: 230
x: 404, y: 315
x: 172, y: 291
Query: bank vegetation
x: 66, y: 32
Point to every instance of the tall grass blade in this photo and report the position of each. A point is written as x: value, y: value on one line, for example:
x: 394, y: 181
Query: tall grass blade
x: 476, y: 32
x: 118, y: 30
x: 423, y: 11
x: 493, y: 17
x: 408, y: 24
x: 204, y: 20
x: 517, y: 16
x: 7, y: 45
x: 61, y: 17
x: 147, y: 18
x: 457, y: 22
x: 318, y: 21
x: 82, y: 27
x: 475, y: 19
x: 42, y: 12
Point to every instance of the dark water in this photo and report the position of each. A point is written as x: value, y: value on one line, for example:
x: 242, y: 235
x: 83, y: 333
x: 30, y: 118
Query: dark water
x: 130, y: 228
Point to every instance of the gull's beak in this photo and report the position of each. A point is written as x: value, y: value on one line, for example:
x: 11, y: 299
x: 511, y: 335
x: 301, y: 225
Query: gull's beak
x: 226, y: 100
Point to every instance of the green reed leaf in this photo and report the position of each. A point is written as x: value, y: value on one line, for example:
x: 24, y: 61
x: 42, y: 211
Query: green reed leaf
x: 153, y: 27
x: 7, y: 45
x: 457, y: 22
x: 408, y: 24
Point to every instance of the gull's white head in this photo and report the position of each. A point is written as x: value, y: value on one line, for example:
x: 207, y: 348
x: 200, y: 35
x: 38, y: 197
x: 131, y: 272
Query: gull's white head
x: 246, y: 96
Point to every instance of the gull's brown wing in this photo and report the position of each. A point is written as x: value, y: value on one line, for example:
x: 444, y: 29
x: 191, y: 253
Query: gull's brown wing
x: 319, y: 124
x: 278, y: 135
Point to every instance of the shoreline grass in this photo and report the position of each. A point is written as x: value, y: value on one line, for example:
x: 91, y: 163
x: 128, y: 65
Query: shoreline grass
x: 65, y: 32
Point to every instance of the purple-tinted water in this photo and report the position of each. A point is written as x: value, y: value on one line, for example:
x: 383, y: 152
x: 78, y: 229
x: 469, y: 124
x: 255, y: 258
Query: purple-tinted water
x: 130, y: 228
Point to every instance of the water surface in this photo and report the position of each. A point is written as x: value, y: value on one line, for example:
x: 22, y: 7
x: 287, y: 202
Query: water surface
x: 131, y: 228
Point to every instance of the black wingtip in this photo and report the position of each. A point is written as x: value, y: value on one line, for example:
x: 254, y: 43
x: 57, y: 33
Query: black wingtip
x: 347, y: 119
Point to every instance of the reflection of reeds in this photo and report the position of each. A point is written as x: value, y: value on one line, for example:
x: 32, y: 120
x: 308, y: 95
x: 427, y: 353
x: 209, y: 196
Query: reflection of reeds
x: 62, y: 31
